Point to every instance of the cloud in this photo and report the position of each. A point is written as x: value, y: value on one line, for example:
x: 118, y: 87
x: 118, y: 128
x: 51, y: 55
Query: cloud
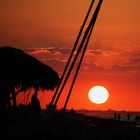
x: 56, y: 58
x: 137, y: 60
x: 116, y: 61
x: 56, y: 64
x: 41, y: 53
x: 63, y: 50
x: 96, y: 52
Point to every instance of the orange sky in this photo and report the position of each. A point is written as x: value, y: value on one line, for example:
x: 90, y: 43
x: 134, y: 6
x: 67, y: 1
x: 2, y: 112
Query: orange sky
x: 47, y: 30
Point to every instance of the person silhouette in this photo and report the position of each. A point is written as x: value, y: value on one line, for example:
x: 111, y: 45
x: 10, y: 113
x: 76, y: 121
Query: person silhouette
x: 128, y: 116
x: 115, y: 116
x: 35, y: 104
x: 119, y: 116
x: 137, y: 118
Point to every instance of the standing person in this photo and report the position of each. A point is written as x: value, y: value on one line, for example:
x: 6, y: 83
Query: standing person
x: 128, y: 116
x: 35, y: 104
x: 119, y: 116
x: 115, y: 116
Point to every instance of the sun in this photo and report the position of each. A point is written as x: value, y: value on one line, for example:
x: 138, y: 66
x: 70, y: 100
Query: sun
x: 98, y: 94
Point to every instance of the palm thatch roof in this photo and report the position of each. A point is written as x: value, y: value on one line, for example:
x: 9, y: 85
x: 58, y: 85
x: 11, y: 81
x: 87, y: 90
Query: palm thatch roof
x: 19, y: 69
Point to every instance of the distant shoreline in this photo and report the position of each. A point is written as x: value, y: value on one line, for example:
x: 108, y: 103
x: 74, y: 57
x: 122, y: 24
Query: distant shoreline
x: 109, y: 113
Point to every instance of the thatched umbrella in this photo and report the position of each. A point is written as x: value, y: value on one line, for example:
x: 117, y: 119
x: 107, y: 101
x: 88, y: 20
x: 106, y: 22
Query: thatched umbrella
x: 22, y: 71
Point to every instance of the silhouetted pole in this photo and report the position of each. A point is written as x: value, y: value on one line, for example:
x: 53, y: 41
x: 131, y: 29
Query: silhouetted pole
x: 77, y: 70
x: 68, y: 62
x: 83, y: 53
x: 79, y: 49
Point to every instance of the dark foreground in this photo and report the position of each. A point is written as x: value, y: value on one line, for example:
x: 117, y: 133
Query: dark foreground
x: 68, y: 126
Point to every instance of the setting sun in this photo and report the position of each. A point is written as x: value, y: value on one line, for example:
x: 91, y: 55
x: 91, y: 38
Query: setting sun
x: 98, y: 94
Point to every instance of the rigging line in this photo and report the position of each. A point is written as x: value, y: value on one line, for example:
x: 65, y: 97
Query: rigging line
x: 92, y: 21
x: 78, y: 68
x: 75, y: 45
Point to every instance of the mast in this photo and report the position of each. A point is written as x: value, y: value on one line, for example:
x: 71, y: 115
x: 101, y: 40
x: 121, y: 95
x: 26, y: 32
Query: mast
x: 81, y: 50
x: 83, y: 53
x: 92, y: 22
x: 71, y: 55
